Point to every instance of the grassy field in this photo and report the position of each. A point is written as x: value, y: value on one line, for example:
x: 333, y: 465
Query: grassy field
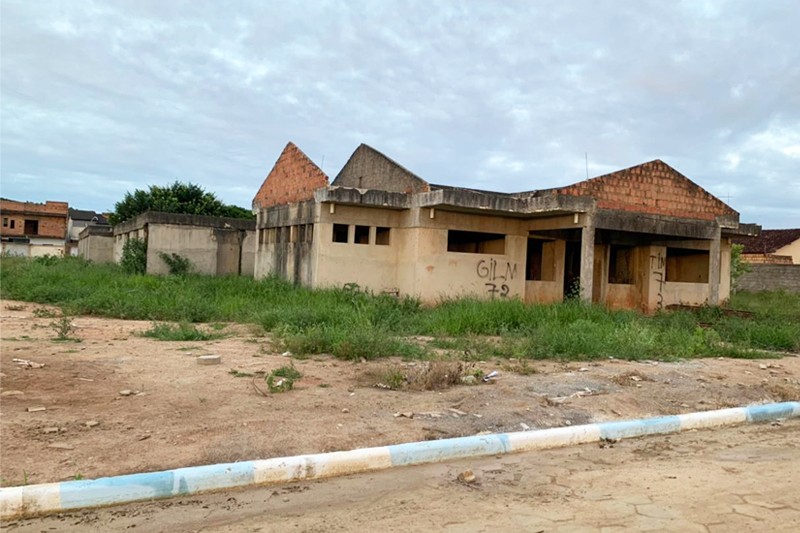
x: 351, y: 324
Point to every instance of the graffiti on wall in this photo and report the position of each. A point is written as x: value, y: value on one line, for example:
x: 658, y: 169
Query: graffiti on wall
x: 496, y: 275
x: 657, y: 264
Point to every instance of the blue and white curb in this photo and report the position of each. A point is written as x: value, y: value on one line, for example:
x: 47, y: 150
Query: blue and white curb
x: 33, y: 500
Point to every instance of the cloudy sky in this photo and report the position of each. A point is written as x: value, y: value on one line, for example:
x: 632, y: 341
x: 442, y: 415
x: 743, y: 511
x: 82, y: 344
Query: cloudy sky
x: 101, y: 97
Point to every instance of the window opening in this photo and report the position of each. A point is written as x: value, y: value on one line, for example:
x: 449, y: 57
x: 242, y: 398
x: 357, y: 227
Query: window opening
x: 362, y: 235
x: 340, y: 233
x: 687, y: 266
x: 382, y: 236
x: 475, y: 242
x: 620, y: 265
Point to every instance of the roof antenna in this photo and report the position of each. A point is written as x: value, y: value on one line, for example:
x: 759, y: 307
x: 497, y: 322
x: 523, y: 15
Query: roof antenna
x: 322, y: 165
x: 587, y: 164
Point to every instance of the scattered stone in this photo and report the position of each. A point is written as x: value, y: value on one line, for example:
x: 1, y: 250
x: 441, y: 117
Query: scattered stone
x: 286, y: 354
x: 556, y: 400
x: 762, y: 366
x: 85, y: 379
x: 36, y: 409
x: 47, y: 431
x: 60, y: 446
x: 467, y: 476
x: 583, y: 369
x: 144, y: 437
x: 490, y: 376
x: 457, y: 412
x: 11, y: 393
x: 126, y: 392
x: 92, y: 423
x: 469, y: 380
x: 524, y: 426
x: 27, y: 364
x: 567, y: 422
x: 345, y: 410
x: 408, y: 414
x: 209, y: 360
x: 635, y: 378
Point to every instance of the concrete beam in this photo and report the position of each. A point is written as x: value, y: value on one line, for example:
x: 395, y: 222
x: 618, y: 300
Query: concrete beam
x: 655, y: 224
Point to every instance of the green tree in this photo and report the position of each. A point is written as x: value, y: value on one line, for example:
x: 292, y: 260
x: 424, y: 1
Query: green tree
x: 186, y: 198
x: 738, y: 267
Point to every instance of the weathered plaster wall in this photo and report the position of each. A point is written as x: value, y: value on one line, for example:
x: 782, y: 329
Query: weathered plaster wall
x: 97, y: 248
x: 198, y: 245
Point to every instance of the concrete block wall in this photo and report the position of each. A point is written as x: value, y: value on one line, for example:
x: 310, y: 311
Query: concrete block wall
x: 293, y: 178
x: 768, y: 277
x: 654, y: 188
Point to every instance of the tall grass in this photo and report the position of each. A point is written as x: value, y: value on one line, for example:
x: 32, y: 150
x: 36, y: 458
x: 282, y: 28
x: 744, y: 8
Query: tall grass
x: 351, y: 324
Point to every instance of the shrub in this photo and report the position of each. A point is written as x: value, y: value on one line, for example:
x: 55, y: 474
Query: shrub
x: 134, y: 256
x: 178, y: 265
x: 179, y: 332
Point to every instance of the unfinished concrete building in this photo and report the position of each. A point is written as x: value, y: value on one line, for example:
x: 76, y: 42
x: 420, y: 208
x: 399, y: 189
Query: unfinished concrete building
x: 641, y: 238
x: 214, y: 245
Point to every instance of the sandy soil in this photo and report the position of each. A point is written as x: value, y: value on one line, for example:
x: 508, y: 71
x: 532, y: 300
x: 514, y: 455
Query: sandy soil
x: 182, y: 413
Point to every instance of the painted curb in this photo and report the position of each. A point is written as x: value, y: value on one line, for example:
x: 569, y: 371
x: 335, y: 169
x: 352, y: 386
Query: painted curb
x: 31, y: 500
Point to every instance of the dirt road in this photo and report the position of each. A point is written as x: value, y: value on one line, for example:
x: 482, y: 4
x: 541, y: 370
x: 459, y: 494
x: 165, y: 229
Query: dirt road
x: 734, y: 479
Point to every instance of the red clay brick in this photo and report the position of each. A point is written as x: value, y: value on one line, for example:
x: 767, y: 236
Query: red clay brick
x: 294, y: 178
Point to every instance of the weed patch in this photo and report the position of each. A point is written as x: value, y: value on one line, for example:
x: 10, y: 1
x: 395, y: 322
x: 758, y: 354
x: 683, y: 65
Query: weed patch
x: 178, y: 332
x: 353, y: 325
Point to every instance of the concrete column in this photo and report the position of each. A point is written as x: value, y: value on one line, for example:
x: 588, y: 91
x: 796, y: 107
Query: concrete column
x: 714, y: 269
x: 587, y: 259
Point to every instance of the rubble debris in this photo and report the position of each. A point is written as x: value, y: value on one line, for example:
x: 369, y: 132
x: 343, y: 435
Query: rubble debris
x: 467, y: 476
x: 27, y: 364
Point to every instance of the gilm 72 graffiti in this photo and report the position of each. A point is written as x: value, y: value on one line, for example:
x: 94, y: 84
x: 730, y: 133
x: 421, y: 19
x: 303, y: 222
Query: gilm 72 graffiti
x: 495, y: 275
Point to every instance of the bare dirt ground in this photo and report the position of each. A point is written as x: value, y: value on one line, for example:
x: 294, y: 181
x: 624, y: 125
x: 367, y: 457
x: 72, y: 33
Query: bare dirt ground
x: 734, y: 479
x: 181, y: 413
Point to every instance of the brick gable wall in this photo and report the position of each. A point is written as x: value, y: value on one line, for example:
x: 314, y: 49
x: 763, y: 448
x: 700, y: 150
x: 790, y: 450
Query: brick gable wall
x: 52, y: 218
x: 654, y: 188
x: 294, y: 178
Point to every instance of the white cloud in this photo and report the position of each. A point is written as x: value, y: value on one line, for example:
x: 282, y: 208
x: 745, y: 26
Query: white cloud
x: 486, y: 94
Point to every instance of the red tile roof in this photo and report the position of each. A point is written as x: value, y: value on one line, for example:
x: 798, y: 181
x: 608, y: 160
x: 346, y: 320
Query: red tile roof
x: 769, y: 241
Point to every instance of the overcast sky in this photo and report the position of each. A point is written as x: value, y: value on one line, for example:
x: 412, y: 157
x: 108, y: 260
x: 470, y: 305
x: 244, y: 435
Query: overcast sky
x: 99, y: 98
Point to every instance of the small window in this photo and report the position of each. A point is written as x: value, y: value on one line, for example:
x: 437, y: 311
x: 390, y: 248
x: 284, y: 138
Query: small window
x: 5, y: 222
x: 620, y: 265
x: 31, y: 227
x: 362, y: 235
x: 382, y: 236
x: 474, y: 242
x: 12, y: 223
x: 687, y: 266
x: 340, y: 232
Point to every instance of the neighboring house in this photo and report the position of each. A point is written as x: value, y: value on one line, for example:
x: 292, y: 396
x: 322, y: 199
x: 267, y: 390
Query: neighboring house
x: 644, y: 237
x: 78, y: 220
x: 772, y: 246
x: 30, y: 229
x: 213, y: 245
